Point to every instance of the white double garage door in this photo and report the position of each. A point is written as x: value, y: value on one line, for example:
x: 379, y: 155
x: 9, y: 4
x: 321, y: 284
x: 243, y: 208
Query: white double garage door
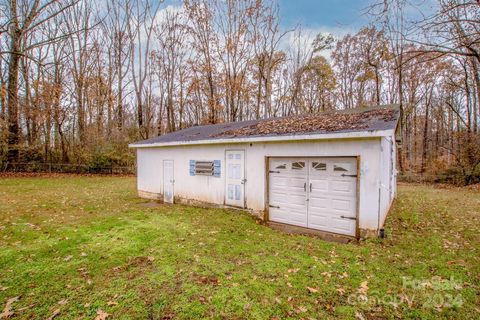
x: 315, y: 193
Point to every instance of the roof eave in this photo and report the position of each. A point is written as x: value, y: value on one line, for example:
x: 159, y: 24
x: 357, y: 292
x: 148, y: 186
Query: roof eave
x: 280, y: 138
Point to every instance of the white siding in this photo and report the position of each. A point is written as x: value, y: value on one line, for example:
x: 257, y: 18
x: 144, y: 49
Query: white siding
x: 212, y: 189
x: 149, y: 170
x: 387, y: 177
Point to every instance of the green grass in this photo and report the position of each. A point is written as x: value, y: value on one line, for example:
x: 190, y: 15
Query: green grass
x: 76, y: 245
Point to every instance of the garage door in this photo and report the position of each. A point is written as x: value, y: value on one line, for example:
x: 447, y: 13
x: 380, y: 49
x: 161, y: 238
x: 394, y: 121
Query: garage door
x: 316, y: 193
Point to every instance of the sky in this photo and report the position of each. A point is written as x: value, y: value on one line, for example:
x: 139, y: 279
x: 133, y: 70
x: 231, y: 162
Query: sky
x: 336, y: 15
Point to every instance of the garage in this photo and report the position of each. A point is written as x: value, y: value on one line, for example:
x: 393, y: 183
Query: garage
x: 330, y: 174
x: 315, y: 193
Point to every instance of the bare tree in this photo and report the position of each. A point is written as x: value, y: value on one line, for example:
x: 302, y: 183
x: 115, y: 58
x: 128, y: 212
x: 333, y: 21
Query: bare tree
x: 266, y: 37
x: 22, y: 19
x: 141, y: 16
x: 171, y: 59
x: 201, y: 14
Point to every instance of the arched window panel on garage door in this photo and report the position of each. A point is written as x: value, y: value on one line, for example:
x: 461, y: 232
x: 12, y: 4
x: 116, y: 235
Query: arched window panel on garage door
x: 298, y: 165
x: 343, y: 168
x: 319, y: 166
x: 280, y: 165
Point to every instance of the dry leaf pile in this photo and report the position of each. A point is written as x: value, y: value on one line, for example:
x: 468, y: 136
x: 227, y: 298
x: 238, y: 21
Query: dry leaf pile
x: 330, y: 121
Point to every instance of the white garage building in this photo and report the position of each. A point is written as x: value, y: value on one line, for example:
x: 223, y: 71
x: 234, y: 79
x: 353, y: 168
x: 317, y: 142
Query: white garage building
x: 332, y: 172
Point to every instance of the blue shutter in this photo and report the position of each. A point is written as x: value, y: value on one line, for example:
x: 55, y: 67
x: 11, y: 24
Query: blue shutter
x: 216, y: 168
x: 192, y: 167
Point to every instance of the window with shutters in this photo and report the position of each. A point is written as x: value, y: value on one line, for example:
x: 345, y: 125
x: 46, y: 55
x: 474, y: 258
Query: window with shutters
x: 205, y: 168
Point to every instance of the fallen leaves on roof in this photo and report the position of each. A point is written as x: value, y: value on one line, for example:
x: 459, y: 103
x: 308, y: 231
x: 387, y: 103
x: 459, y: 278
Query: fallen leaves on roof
x: 322, y: 122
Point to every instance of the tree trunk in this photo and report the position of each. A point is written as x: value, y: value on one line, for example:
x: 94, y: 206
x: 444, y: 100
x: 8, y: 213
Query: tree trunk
x: 212, y: 119
x: 467, y: 98
x: 425, y: 140
x: 12, y: 98
x: 476, y: 107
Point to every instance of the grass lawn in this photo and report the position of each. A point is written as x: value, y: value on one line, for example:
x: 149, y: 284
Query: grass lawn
x: 81, y: 247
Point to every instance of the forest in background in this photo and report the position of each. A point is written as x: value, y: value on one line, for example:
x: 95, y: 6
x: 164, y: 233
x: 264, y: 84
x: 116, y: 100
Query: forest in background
x: 81, y: 79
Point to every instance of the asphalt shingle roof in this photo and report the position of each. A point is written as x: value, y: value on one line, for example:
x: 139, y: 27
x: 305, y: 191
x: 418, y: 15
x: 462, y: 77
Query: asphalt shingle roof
x: 354, y: 120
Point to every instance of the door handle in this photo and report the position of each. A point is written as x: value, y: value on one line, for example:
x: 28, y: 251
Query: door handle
x: 310, y: 187
x: 305, y: 186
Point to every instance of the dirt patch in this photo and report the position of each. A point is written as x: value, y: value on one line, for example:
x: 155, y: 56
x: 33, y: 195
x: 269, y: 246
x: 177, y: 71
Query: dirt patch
x: 474, y: 187
x: 205, y: 280
x: 135, y: 267
x: 443, y: 186
x: 140, y: 262
x: 151, y: 204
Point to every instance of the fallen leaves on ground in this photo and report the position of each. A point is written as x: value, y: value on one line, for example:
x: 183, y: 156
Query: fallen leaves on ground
x: 7, y: 310
x: 326, y: 273
x: 55, y: 313
x: 301, y: 309
x: 312, y: 290
x: 102, y: 315
x: 363, y: 287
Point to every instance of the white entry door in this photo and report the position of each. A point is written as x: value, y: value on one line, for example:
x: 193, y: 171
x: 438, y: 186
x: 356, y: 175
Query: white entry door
x: 316, y: 193
x: 168, y: 181
x: 235, y: 178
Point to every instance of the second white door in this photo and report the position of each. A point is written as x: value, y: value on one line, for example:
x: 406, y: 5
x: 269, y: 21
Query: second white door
x: 168, y: 181
x: 235, y: 178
